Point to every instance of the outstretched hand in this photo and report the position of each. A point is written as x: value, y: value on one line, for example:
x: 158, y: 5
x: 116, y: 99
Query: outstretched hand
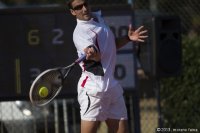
x: 138, y: 34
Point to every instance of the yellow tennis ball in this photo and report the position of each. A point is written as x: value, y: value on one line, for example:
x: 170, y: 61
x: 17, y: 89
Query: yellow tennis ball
x: 43, y: 92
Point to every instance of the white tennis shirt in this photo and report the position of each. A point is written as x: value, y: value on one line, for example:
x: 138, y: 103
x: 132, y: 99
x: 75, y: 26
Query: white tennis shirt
x: 99, y: 35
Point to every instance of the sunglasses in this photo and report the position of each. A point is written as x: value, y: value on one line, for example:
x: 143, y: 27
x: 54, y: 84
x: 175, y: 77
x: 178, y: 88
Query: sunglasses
x: 79, y: 7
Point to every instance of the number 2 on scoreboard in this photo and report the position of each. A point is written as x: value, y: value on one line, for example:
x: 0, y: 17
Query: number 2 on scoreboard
x: 35, y: 39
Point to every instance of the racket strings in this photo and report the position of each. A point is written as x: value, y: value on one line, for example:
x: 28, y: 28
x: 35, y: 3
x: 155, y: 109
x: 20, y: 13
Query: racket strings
x: 52, y: 80
x: 49, y: 83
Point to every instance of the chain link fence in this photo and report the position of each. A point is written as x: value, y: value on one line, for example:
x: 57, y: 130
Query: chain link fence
x: 60, y: 116
x: 189, y: 13
x: 187, y: 10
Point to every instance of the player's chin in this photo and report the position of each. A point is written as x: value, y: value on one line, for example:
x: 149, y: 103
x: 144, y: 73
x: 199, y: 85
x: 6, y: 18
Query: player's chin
x: 87, y: 17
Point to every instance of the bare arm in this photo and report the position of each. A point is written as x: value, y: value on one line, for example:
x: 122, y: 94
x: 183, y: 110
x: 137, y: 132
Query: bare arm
x: 120, y: 42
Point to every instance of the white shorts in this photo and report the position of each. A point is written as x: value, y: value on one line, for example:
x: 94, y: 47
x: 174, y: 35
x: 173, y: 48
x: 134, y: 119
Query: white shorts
x: 102, y: 105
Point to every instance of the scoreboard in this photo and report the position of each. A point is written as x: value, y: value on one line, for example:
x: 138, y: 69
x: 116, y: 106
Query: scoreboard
x: 35, y: 39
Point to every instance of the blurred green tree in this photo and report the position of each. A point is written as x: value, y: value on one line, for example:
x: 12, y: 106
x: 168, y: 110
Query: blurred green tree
x: 180, y: 95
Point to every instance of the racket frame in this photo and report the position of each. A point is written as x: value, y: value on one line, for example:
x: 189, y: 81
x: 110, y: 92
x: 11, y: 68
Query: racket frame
x: 64, y: 71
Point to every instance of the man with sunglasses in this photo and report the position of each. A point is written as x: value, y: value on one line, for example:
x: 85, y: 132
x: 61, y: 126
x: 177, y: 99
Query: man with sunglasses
x: 100, y: 96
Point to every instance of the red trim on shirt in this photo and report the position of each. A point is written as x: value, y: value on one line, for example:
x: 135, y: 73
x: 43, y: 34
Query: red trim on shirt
x: 84, y: 81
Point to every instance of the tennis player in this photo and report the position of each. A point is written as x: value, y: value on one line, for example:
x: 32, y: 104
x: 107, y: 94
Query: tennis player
x: 100, y: 96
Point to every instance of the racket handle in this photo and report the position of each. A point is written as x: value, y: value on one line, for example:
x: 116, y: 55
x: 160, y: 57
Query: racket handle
x: 82, y: 58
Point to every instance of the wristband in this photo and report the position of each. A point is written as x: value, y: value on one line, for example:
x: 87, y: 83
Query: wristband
x: 93, y: 47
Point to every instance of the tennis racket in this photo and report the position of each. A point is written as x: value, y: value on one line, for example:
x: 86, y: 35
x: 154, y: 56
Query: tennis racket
x: 49, y: 83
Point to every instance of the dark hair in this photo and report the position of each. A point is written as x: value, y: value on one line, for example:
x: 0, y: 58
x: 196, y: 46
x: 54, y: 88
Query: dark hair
x: 69, y: 4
